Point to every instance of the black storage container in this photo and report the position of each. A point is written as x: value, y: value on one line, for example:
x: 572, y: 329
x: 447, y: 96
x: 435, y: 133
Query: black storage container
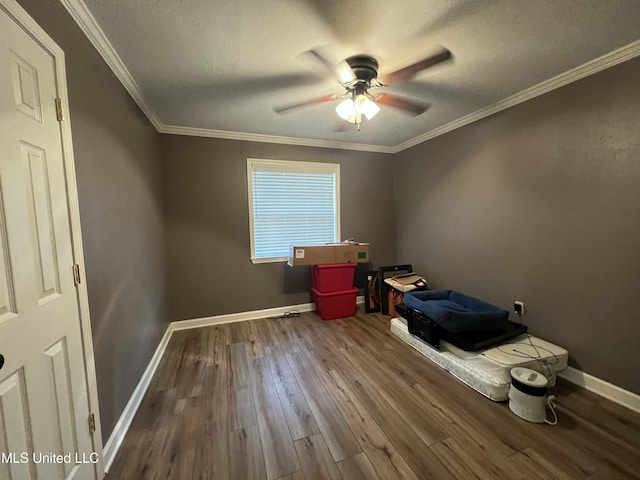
x: 424, y: 328
x: 421, y: 326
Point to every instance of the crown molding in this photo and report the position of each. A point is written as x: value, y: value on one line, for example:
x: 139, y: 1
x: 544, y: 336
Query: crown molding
x: 608, y: 60
x: 85, y: 20
x: 88, y: 24
x: 257, y: 137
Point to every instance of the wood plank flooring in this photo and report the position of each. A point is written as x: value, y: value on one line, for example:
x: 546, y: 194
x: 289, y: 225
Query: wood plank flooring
x: 299, y: 398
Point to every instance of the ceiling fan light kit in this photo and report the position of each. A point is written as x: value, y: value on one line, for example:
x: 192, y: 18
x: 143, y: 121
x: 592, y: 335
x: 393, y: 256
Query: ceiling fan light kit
x: 346, y: 108
x: 352, y: 110
x: 366, y: 106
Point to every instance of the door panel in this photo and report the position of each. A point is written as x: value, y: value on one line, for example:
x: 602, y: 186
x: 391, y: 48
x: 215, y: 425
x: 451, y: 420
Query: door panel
x: 40, y: 205
x: 43, y: 386
x: 25, y: 87
x: 7, y: 296
x: 60, y: 372
x: 13, y: 421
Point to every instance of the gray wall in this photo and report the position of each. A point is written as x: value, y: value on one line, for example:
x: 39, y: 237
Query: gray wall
x: 207, y: 223
x: 119, y: 187
x: 540, y: 203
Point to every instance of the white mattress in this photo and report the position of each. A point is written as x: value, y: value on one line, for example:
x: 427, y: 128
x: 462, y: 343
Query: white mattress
x: 489, y: 371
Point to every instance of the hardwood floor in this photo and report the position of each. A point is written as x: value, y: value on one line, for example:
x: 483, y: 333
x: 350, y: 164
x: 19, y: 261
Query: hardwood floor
x: 299, y: 398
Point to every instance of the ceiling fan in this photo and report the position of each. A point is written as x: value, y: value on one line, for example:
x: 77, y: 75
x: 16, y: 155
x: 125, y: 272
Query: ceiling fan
x: 358, y: 74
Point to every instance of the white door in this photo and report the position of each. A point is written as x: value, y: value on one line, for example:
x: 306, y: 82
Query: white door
x: 44, y: 407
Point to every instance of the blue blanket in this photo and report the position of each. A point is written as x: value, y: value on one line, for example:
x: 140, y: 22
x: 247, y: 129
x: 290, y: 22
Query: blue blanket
x: 455, y: 311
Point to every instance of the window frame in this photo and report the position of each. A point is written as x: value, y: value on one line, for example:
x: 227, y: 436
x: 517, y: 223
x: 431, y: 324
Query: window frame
x: 290, y: 166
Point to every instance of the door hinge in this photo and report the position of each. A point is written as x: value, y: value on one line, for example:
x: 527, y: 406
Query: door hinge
x: 59, y: 111
x: 76, y: 274
x: 92, y: 423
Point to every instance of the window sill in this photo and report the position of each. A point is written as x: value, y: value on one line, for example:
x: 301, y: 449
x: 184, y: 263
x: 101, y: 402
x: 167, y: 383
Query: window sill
x: 269, y: 260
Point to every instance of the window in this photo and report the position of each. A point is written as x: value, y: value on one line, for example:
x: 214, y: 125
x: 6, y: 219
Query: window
x: 291, y: 203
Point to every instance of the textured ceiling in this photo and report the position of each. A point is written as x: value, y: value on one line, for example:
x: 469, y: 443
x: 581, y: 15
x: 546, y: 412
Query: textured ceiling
x: 222, y: 66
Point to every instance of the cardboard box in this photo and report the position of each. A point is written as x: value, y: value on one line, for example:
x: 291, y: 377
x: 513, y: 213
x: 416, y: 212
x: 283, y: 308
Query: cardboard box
x: 327, y: 254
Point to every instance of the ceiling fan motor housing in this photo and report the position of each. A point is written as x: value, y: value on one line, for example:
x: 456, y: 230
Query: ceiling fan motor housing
x: 364, y: 67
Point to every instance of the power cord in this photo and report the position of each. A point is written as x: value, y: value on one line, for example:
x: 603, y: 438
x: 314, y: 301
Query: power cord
x: 544, y: 365
x: 287, y: 314
x: 536, y: 348
x: 552, y: 404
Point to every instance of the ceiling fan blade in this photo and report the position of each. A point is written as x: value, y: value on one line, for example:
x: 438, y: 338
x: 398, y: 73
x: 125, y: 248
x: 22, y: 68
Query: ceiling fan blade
x: 313, y: 101
x: 341, y: 72
x: 407, y: 72
x: 410, y: 107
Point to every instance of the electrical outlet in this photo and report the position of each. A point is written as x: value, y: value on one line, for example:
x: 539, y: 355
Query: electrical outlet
x: 518, y: 307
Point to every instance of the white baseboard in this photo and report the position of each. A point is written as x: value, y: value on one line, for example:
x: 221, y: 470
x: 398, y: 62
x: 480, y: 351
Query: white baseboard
x: 242, y: 316
x: 607, y: 390
x: 124, y: 422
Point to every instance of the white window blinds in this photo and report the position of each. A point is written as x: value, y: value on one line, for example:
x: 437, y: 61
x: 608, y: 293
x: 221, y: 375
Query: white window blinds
x: 291, y: 203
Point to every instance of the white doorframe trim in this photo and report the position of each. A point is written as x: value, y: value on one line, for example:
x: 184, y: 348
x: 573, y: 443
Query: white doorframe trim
x: 30, y: 26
